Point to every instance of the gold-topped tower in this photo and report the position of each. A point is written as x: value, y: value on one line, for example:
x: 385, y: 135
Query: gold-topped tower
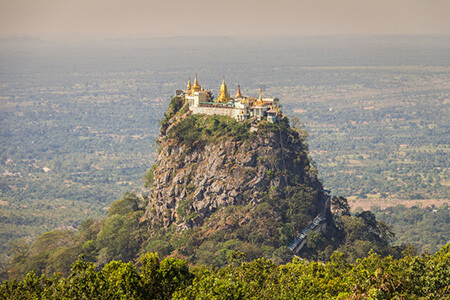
x: 189, y: 86
x: 224, y: 96
x: 259, y: 102
x: 238, y: 94
x: 196, y: 87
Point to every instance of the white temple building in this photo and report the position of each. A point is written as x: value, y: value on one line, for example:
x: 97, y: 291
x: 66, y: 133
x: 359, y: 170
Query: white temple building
x: 240, y: 107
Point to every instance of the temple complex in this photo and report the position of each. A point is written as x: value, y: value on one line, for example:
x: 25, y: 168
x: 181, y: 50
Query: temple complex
x: 240, y: 107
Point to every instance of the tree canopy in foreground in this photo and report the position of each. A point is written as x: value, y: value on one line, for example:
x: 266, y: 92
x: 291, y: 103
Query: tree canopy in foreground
x: 374, y: 277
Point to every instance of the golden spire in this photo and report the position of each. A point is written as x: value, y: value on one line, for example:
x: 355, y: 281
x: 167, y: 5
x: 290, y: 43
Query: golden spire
x: 223, y: 96
x: 223, y: 87
x: 196, y: 87
x: 259, y: 102
x: 238, y: 94
x: 196, y: 81
x: 189, y: 84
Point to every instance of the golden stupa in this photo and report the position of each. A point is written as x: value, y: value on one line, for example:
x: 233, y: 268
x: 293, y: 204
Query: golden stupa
x: 224, y: 96
x: 196, y: 87
x: 189, y: 86
x: 260, y: 101
x: 238, y: 94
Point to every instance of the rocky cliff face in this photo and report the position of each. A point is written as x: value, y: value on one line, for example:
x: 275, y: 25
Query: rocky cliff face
x: 203, y: 165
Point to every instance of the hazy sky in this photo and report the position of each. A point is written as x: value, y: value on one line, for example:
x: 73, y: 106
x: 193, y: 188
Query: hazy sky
x: 147, y: 18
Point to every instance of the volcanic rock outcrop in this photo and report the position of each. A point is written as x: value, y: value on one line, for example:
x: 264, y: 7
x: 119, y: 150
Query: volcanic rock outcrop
x: 208, y: 162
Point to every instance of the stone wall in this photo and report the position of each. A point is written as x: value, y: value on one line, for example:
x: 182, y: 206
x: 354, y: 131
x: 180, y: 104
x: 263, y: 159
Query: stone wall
x: 221, y: 111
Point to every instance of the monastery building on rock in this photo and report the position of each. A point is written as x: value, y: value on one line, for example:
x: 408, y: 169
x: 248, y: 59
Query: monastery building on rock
x: 240, y: 107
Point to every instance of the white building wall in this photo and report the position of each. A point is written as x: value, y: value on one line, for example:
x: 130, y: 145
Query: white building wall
x: 213, y: 111
x: 241, y: 110
x: 221, y: 111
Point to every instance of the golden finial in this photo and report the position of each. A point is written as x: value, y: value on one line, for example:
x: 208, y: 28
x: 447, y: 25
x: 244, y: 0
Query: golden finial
x: 259, y: 102
x: 238, y: 94
x: 224, y: 86
x: 189, y: 84
x: 196, y: 87
x: 223, y: 96
x: 196, y: 81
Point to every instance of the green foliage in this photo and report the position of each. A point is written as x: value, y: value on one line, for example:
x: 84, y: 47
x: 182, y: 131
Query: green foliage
x: 268, y: 228
x: 194, y: 131
x: 340, y: 206
x: 116, y: 238
x: 119, y: 237
x: 160, y: 246
x: 184, y: 208
x: 129, y: 203
x: 123, y: 280
x: 174, y: 106
x: 374, y: 277
x: 282, y: 125
x: 45, y: 255
x: 272, y: 225
x: 165, y: 277
x: 426, y: 228
x: 271, y: 174
x: 116, y: 280
x: 149, y: 177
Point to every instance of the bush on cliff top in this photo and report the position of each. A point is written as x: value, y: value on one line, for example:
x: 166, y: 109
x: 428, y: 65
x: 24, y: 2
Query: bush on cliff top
x: 194, y: 131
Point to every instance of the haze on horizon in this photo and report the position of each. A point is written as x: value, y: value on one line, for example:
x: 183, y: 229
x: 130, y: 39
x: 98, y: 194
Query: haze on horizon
x: 148, y: 18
